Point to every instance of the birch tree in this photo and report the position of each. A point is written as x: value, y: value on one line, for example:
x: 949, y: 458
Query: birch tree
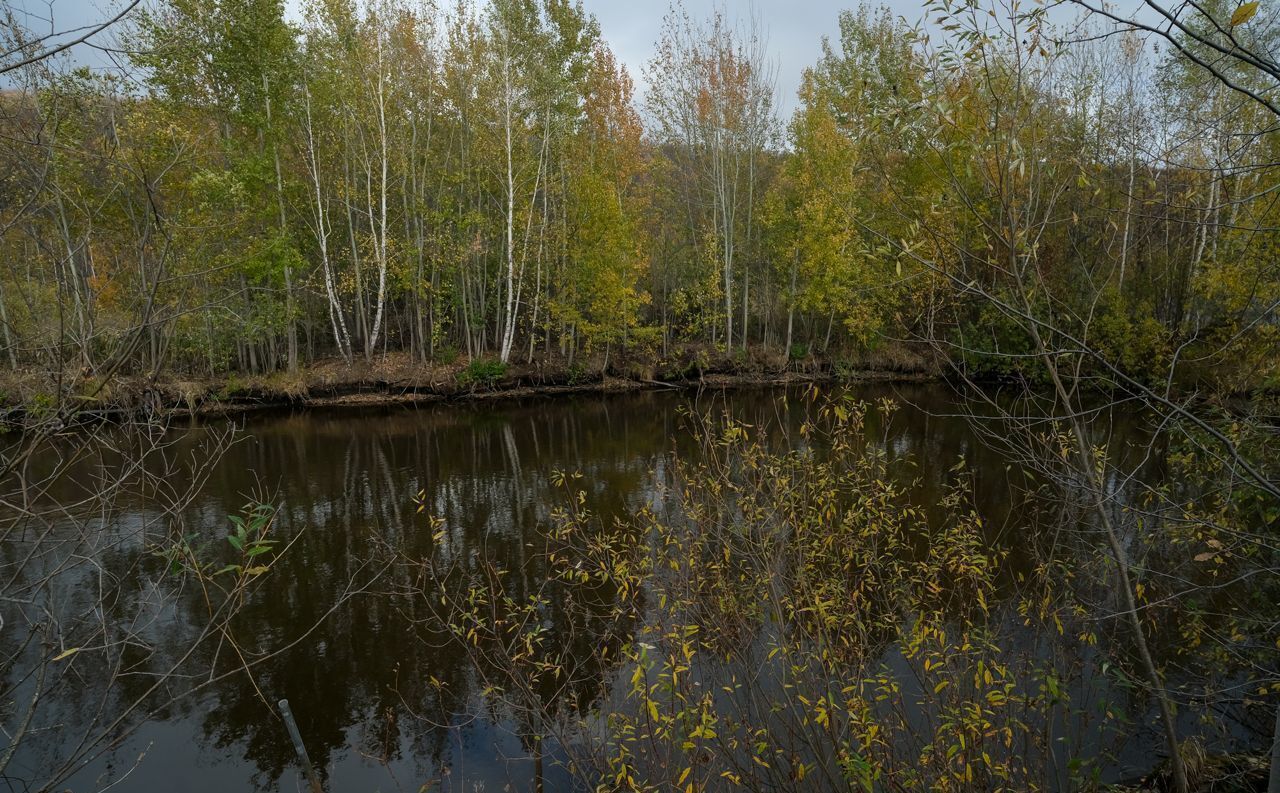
x: 711, y: 101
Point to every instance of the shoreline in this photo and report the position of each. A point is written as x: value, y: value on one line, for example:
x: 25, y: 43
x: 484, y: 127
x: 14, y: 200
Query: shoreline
x: 391, y: 382
x: 29, y: 399
x: 393, y: 396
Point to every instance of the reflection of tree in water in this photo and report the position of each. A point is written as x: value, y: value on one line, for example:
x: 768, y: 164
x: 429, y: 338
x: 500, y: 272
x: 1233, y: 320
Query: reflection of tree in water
x: 380, y: 677
x: 380, y: 667
x: 94, y: 646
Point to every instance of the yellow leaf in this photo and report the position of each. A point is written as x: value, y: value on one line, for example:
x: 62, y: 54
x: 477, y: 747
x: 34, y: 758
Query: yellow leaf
x: 66, y: 653
x: 1244, y: 13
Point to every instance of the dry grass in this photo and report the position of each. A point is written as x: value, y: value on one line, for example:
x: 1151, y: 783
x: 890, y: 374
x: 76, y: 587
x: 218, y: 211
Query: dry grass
x: 394, y: 375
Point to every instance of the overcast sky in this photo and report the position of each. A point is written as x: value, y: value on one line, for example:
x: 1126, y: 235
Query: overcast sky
x: 795, y: 28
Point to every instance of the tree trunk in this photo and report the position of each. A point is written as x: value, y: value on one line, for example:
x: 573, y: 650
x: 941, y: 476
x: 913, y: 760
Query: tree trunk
x: 290, y: 308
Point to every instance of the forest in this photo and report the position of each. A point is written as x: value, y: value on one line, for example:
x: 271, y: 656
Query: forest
x: 1038, y: 553
x: 256, y: 194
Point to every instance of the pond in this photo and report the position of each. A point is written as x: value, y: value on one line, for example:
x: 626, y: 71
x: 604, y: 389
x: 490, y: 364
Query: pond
x: 380, y: 705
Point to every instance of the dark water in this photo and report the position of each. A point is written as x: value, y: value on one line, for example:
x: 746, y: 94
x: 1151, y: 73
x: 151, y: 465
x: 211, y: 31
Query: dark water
x: 381, y: 705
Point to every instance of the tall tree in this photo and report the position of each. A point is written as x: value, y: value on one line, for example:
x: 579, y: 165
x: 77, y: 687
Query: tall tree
x: 711, y: 100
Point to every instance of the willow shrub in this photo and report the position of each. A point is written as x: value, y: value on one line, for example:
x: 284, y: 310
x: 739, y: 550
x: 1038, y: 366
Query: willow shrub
x: 781, y: 616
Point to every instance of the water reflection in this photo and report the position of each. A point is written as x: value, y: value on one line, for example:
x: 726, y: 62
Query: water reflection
x: 384, y: 703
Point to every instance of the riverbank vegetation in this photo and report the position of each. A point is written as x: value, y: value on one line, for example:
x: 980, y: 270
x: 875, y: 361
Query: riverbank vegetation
x: 256, y: 194
x: 1079, y: 213
x: 787, y: 614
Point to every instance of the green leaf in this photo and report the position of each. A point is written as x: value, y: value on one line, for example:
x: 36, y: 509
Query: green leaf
x: 1244, y: 13
x: 66, y: 654
x: 236, y: 541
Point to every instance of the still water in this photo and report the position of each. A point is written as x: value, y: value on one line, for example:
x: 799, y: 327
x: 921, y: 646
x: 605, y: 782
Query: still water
x: 380, y: 705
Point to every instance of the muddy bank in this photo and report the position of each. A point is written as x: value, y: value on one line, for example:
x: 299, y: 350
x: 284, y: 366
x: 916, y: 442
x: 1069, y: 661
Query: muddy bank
x: 378, y: 394
x: 394, y: 380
